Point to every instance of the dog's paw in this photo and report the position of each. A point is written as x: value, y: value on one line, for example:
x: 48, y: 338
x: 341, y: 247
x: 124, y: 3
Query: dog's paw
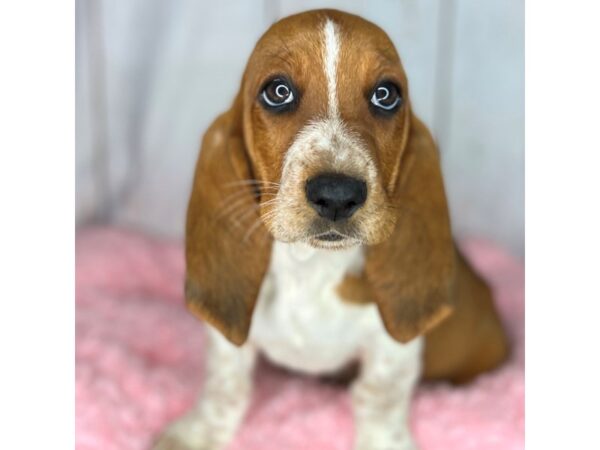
x: 379, y: 445
x: 378, y: 439
x: 188, y: 433
x: 169, y: 442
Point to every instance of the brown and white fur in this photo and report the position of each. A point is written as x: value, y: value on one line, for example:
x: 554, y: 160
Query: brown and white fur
x: 392, y: 292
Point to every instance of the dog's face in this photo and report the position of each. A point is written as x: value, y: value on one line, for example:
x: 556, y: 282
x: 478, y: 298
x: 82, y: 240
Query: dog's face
x: 322, y: 130
x: 326, y: 118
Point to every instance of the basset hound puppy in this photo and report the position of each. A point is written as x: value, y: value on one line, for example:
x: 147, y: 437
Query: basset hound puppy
x: 318, y: 234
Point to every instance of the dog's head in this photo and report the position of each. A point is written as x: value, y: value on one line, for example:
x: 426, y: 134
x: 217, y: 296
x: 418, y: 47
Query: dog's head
x: 326, y: 103
x: 320, y: 147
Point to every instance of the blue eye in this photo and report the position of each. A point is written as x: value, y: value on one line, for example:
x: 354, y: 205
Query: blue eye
x: 277, y: 93
x: 386, y: 96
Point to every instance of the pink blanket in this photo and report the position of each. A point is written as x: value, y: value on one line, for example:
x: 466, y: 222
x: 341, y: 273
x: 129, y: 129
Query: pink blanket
x: 139, y: 363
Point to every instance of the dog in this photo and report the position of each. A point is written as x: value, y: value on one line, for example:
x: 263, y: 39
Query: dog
x: 318, y: 234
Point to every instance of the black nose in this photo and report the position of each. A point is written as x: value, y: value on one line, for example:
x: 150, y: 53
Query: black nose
x: 336, y: 196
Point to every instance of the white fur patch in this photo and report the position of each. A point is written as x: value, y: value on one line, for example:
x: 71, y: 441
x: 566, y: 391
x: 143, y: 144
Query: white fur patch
x: 299, y: 321
x: 330, y: 62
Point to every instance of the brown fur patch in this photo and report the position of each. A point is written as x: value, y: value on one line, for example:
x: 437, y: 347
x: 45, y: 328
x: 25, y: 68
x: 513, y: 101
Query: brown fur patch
x: 225, y: 266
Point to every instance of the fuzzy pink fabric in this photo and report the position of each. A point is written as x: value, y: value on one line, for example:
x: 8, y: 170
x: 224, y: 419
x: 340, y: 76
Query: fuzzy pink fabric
x: 139, y: 363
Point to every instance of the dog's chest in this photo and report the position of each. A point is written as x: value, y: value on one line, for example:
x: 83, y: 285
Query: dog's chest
x: 300, y: 321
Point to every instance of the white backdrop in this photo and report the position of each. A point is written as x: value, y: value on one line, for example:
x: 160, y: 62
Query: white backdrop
x: 152, y: 74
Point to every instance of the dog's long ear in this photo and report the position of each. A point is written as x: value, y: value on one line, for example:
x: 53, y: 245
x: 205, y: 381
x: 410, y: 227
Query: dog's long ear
x: 227, y: 250
x: 411, y: 273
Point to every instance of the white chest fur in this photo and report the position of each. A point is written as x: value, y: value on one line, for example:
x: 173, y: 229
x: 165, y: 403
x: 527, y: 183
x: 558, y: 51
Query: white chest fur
x: 300, y: 322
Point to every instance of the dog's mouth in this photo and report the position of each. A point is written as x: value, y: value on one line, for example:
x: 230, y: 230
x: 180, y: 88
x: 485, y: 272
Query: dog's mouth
x: 332, y: 240
x: 331, y: 236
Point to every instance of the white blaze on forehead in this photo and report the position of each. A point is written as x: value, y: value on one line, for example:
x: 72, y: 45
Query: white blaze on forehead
x: 324, y: 144
x: 331, y: 56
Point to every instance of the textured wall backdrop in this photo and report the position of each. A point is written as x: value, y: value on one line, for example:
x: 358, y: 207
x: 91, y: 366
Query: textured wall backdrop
x: 152, y: 74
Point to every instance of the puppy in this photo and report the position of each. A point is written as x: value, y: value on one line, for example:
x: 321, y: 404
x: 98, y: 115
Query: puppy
x: 318, y: 234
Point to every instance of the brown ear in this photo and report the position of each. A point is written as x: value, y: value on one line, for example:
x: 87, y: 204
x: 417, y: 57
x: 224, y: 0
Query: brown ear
x: 227, y: 251
x: 411, y: 273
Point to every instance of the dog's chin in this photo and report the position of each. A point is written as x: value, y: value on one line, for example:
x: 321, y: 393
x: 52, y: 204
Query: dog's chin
x: 318, y: 235
x: 332, y: 240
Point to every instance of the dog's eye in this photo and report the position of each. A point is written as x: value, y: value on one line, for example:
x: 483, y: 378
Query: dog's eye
x: 386, y: 96
x: 277, y: 94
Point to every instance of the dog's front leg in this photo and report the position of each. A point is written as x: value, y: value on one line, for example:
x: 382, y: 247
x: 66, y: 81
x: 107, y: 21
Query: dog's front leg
x: 382, y: 393
x: 212, y: 423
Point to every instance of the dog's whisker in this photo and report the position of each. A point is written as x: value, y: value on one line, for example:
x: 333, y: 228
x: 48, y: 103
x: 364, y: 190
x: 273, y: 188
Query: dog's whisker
x: 233, y: 201
x: 268, y: 215
x: 254, y: 207
x: 248, y: 211
x: 270, y: 202
x: 250, y: 182
x: 244, y: 212
x: 238, y: 215
x: 260, y: 220
x: 230, y: 206
x: 257, y: 223
x: 239, y: 192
